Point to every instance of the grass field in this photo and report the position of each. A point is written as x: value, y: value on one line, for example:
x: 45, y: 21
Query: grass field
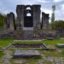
x: 53, y: 42
x: 3, y: 44
x: 6, y: 42
x: 56, y: 41
x: 1, y: 54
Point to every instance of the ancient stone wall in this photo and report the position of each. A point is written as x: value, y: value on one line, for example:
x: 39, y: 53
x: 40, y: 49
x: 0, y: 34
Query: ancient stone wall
x: 20, y: 16
x: 45, y: 21
x: 19, y: 27
x: 36, y: 17
x: 10, y: 22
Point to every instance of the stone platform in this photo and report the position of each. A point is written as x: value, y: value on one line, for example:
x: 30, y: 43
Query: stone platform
x: 26, y: 54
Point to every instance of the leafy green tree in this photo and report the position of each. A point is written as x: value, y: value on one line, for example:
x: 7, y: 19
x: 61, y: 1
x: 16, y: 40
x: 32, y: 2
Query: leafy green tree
x: 57, y: 25
x: 2, y: 18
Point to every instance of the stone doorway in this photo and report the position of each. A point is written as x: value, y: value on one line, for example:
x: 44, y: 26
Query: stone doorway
x: 28, y: 21
x: 28, y: 17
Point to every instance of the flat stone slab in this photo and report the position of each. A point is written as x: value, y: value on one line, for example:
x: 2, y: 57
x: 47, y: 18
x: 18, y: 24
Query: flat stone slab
x: 26, y: 53
x: 60, y: 45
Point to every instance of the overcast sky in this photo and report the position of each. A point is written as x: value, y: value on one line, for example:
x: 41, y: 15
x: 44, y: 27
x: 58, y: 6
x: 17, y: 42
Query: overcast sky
x: 7, y: 6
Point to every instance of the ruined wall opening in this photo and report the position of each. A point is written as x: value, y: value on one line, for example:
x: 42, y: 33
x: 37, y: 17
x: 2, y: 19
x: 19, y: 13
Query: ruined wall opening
x: 28, y: 8
x: 28, y: 17
x: 28, y: 14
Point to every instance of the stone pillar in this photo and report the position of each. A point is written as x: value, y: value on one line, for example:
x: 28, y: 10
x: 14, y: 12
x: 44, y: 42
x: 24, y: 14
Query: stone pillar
x: 36, y: 17
x: 20, y: 16
x: 45, y: 21
x: 10, y: 22
x: 20, y: 20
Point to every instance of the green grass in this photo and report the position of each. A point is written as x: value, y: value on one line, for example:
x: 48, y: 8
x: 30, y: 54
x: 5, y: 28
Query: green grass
x: 5, y: 42
x: 56, y: 41
x: 62, y: 53
x: 1, y: 54
x: 53, y: 54
x: 29, y: 42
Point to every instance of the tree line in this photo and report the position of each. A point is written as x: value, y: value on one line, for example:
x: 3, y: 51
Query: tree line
x: 2, y: 19
x: 57, y: 25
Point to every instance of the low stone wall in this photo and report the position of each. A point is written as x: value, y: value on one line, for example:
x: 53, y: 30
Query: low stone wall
x: 6, y: 35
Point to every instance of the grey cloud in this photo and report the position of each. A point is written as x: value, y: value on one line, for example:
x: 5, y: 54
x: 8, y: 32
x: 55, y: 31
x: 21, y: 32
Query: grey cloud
x: 10, y: 5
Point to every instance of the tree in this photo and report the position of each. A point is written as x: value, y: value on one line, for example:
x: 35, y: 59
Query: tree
x: 2, y: 18
x: 57, y: 25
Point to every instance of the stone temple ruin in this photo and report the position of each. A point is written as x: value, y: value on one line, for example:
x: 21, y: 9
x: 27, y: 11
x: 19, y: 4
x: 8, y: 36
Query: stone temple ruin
x: 28, y: 24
